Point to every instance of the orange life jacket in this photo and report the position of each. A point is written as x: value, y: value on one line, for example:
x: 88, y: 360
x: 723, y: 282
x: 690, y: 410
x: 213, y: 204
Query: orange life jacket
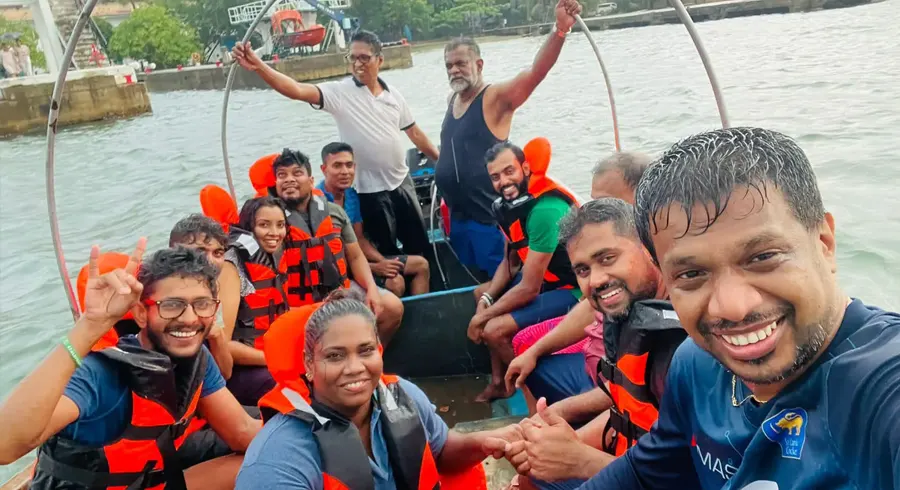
x: 268, y: 274
x: 512, y: 216
x: 145, y: 455
x: 651, y: 324
x: 218, y: 205
x: 344, y: 459
x: 314, y: 254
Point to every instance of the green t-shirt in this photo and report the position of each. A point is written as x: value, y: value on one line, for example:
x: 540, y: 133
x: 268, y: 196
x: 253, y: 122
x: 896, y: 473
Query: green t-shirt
x: 542, y: 227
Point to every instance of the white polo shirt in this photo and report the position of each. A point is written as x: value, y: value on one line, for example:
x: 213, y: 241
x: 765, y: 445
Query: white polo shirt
x: 373, y: 127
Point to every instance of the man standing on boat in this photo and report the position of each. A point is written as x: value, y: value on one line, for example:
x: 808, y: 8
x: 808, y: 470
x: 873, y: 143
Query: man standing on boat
x: 118, y: 417
x: 478, y: 117
x: 370, y: 116
x: 786, y: 382
x: 534, y: 282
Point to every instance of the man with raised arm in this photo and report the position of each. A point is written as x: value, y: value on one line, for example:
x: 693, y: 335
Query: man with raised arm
x: 478, y: 117
x: 117, y: 417
x: 370, y: 116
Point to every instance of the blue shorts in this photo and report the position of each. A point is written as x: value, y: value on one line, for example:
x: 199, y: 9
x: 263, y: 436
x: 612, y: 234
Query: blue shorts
x: 546, y: 306
x: 477, y: 244
x: 558, y: 377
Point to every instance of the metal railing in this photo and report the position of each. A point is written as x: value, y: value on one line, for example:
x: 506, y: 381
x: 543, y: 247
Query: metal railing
x: 243, y: 14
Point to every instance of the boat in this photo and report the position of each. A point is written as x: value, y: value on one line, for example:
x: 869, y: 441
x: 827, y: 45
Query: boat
x: 431, y: 347
x: 289, y: 31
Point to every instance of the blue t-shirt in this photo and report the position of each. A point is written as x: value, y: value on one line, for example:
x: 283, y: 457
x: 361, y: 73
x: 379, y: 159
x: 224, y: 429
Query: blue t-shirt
x: 837, y: 427
x: 101, y: 393
x: 285, y: 454
x: 351, y: 202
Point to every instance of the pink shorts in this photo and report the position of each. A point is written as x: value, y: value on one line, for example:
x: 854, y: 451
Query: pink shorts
x: 530, y: 335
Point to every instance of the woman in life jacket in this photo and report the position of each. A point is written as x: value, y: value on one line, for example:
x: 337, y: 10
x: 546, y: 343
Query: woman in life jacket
x: 252, y: 293
x: 335, y: 421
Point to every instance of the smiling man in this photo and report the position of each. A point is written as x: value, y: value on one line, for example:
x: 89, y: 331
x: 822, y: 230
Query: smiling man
x: 120, y: 417
x: 534, y: 282
x: 786, y: 382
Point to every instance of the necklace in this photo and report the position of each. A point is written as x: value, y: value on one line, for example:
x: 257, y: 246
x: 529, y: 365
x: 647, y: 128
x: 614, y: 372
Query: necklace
x: 734, y: 400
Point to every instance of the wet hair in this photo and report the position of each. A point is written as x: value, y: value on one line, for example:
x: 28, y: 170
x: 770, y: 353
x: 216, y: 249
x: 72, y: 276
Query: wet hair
x: 596, y: 212
x: 181, y: 262
x: 632, y: 165
x: 370, y: 38
x: 340, y: 303
x: 195, y: 227
x: 708, y: 167
x: 334, y: 148
x: 247, y: 219
x: 495, y: 151
x: 290, y: 157
x: 463, y: 41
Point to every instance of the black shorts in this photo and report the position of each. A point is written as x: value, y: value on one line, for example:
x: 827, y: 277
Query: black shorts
x: 381, y: 281
x: 389, y: 216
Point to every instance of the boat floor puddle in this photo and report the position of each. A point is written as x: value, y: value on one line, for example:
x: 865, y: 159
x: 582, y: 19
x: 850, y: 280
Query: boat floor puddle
x: 453, y: 395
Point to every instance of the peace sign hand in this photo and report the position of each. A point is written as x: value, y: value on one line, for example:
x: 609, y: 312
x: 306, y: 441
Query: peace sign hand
x: 108, y: 297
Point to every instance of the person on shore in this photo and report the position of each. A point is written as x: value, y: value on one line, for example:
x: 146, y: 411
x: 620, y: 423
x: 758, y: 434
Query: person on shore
x: 253, y: 292
x: 640, y: 333
x: 563, y: 375
x: 322, y: 249
x: 118, y: 416
x: 9, y: 61
x: 336, y: 420
x: 205, y: 235
x: 535, y: 280
x: 479, y: 115
x: 370, y: 116
x: 391, y: 271
x: 783, y: 371
x: 23, y: 56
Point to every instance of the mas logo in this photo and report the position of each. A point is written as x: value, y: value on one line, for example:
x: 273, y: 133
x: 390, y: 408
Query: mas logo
x: 788, y: 429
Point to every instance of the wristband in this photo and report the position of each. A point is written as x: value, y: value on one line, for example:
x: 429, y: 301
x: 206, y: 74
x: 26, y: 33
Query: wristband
x: 74, y: 355
x: 486, y: 299
x: 561, y: 33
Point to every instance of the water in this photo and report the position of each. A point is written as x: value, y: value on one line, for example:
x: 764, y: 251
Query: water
x: 824, y: 78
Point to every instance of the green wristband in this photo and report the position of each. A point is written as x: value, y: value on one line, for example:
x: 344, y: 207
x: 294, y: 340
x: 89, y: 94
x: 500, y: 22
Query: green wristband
x: 74, y: 355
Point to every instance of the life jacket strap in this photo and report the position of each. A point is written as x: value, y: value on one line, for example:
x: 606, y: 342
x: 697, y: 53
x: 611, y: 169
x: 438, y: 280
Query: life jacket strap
x: 147, y: 478
x: 624, y: 427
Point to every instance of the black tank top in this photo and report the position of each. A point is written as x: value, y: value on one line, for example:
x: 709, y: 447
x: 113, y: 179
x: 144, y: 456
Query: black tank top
x: 461, y: 173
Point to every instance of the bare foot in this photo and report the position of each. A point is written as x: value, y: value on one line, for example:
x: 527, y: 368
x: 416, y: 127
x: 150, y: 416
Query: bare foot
x: 494, y: 392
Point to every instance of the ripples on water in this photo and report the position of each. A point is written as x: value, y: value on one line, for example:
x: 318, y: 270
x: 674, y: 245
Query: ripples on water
x: 827, y: 78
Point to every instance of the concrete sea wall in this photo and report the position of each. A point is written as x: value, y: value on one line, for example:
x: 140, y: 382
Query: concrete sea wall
x: 89, y: 95
x: 305, y: 68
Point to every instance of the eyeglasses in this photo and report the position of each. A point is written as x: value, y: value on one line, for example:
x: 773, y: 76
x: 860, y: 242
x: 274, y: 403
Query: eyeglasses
x: 362, y: 58
x: 170, y: 309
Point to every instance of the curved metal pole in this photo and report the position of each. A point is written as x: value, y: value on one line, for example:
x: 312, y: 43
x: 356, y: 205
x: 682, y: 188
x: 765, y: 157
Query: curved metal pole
x: 52, y: 119
x: 685, y: 18
x: 609, y: 90
x: 437, y: 257
x: 228, y: 85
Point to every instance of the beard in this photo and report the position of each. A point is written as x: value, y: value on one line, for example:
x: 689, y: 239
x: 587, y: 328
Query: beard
x: 159, y: 345
x: 461, y: 84
x: 809, y: 340
x: 521, y: 186
x: 646, y: 291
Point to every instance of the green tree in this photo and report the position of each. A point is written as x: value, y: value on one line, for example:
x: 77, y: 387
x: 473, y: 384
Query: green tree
x: 28, y: 37
x: 208, y: 17
x: 105, y: 27
x: 387, y: 17
x: 464, y: 16
x: 153, y: 34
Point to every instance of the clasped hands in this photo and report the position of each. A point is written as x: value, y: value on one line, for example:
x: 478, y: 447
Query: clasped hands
x: 544, y: 447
